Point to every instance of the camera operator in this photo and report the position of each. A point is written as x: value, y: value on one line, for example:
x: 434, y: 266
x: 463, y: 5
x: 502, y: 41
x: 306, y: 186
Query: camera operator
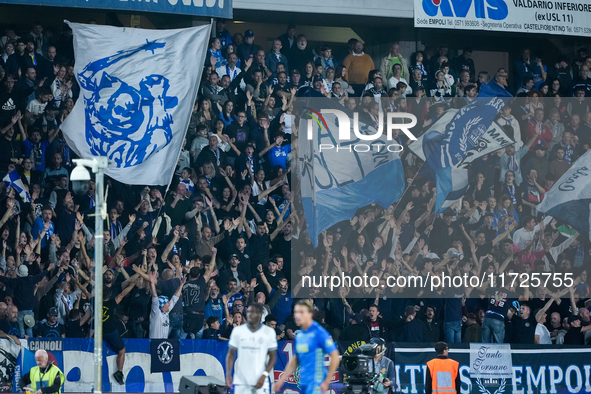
x: 384, y: 367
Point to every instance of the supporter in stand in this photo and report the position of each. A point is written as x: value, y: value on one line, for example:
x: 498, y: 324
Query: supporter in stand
x: 231, y: 214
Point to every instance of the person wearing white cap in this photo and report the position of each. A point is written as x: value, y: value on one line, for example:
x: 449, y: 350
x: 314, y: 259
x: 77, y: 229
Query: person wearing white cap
x: 23, y: 287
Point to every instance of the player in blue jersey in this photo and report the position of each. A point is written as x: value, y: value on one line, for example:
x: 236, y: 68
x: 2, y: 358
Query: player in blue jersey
x: 312, y: 343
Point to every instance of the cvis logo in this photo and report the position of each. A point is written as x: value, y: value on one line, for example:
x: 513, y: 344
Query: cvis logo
x: 492, y: 9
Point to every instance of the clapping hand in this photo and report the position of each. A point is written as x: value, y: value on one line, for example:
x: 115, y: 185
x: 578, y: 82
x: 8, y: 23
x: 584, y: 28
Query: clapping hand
x: 18, y: 116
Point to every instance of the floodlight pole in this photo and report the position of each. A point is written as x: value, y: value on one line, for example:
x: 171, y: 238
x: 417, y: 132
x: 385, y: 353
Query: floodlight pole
x: 98, y: 165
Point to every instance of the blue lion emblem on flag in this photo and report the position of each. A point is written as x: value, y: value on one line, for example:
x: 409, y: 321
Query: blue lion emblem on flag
x: 126, y: 123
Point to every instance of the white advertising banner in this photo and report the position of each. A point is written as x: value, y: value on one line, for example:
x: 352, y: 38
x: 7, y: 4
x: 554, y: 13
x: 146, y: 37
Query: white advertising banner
x: 490, y: 361
x: 568, y: 17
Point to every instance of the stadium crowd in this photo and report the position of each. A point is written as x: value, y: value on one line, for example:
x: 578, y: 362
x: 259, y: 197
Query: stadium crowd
x: 186, y: 263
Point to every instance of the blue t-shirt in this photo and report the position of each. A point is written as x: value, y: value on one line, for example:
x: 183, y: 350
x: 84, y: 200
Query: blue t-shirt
x: 237, y: 296
x: 278, y: 156
x: 36, y: 152
x: 311, y: 346
x: 214, y: 307
x: 283, y: 307
x: 38, y: 226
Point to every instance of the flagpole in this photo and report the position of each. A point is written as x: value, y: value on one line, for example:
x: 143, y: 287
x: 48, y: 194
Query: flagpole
x: 98, y: 280
x: 80, y: 175
x: 408, y: 187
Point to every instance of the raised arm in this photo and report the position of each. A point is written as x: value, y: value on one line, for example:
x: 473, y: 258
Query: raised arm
x: 125, y: 292
x: 53, y: 133
x: 153, y: 280
x: 264, y: 279
x: 216, y: 225
x: 174, y: 240
x: 500, y: 237
x: 279, y: 228
x: 13, y: 121
x: 271, y: 189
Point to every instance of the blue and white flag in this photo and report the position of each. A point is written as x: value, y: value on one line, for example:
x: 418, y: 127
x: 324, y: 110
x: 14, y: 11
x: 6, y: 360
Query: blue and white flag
x: 340, y: 176
x: 461, y: 134
x: 137, y: 90
x: 452, y: 184
x: 12, y: 179
x: 494, y: 139
x: 569, y: 200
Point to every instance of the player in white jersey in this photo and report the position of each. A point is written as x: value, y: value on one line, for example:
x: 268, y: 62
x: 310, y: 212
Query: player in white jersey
x: 256, y: 345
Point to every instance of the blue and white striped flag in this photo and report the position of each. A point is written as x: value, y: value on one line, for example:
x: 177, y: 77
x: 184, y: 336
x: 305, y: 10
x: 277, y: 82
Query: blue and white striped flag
x: 452, y: 184
x: 569, y: 200
x: 137, y: 90
x: 12, y: 179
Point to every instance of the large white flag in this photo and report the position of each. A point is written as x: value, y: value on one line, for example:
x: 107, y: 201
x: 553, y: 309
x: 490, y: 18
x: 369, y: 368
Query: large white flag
x: 137, y: 89
x: 569, y: 200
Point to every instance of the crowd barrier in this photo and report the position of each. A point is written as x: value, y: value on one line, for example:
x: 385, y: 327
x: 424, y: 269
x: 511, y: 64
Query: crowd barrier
x: 536, y: 369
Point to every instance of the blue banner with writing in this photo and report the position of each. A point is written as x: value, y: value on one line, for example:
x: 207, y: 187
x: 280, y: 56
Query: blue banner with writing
x: 211, y: 8
x: 534, y: 369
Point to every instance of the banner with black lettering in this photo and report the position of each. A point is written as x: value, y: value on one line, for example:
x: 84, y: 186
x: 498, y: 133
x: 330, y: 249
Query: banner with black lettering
x: 165, y: 355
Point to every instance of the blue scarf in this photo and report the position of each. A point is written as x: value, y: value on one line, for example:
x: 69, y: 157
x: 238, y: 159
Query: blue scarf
x: 115, y: 229
x: 228, y: 71
x: 568, y: 151
x: 511, y: 191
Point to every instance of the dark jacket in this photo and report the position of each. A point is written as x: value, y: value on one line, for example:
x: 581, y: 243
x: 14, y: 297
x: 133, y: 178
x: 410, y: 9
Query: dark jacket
x: 24, y: 290
x: 228, y: 274
x: 356, y: 332
x: 472, y: 334
x: 298, y: 58
x: 208, y: 155
x: 433, y: 330
x: 415, y: 331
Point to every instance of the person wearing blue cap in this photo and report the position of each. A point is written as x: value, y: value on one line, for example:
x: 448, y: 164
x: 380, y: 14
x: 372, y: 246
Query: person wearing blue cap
x: 161, y: 307
x: 247, y: 49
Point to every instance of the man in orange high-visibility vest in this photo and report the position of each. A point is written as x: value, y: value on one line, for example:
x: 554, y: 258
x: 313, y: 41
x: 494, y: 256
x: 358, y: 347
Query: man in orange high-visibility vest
x: 443, y: 376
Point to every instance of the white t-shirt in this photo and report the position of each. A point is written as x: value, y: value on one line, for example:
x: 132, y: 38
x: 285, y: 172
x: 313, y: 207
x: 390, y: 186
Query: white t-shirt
x: 544, y: 334
x: 159, y: 321
x: 256, y: 190
x: 521, y: 237
x: 251, y: 348
x: 36, y: 108
x: 392, y: 82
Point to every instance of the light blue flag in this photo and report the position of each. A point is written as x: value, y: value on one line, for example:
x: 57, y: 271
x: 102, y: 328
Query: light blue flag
x: 569, y: 200
x: 137, y: 90
x: 12, y: 179
x: 337, y: 181
x: 452, y: 184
